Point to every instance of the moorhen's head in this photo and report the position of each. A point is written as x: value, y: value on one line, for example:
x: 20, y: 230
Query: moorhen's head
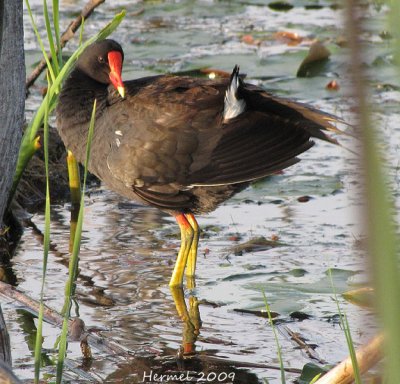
x: 102, y: 61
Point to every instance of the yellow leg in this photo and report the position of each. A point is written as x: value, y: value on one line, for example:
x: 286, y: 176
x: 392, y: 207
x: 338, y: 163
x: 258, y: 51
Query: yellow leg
x: 187, y: 234
x: 191, y: 263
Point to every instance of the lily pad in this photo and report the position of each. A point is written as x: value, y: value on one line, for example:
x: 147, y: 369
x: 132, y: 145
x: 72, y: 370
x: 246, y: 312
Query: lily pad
x: 315, y: 61
x: 254, y: 245
x: 280, y: 6
x: 363, y: 297
x: 310, y: 371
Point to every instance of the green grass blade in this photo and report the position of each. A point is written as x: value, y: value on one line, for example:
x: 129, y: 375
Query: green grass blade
x: 278, y: 346
x: 310, y: 373
x: 81, y: 31
x: 393, y: 19
x: 380, y: 213
x: 53, y: 52
x: 46, y: 246
x: 62, y: 350
x: 347, y: 333
x: 74, y: 260
x: 384, y: 252
x: 352, y: 350
x: 26, y: 151
x: 383, y: 229
x: 40, y: 42
x: 56, y: 26
x: 315, y: 378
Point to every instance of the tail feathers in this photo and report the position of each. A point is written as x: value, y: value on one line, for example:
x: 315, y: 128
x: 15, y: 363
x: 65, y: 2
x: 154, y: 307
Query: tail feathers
x: 318, y: 121
x: 326, y: 123
x: 234, y: 105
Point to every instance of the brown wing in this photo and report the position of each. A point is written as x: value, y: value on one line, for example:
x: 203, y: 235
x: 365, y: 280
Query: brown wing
x: 267, y: 137
x: 173, y: 137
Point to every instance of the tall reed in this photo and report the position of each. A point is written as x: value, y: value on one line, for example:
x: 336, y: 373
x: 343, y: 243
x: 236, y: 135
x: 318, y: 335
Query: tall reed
x: 278, y: 346
x: 346, y: 329
x: 46, y: 246
x: 383, y: 243
x: 57, y: 72
x: 74, y: 260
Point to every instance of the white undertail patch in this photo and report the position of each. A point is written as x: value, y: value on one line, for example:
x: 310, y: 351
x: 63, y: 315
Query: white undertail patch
x: 233, y: 106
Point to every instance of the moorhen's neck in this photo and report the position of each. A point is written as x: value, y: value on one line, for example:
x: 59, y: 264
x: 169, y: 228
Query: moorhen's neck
x: 78, y: 95
x: 75, y: 108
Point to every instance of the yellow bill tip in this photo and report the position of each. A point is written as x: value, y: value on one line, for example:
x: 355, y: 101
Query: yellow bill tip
x: 121, y: 91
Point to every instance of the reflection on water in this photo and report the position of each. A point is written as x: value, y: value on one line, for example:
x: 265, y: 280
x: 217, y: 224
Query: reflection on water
x: 128, y: 251
x: 127, y: 257
x: 190, y: 316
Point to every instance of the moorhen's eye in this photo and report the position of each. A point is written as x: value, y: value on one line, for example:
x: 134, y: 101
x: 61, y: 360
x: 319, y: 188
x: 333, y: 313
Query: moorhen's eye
x: 101, y: 59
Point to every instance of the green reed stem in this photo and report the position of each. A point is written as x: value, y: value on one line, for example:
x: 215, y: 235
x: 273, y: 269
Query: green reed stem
x: 346, y: 329
x: 46, y: 246
x: 40, y: 42
x: 74, y: 260
x: 278, y: 346
x: 383, y: 242
x: 81, y: 30
x: 53, y: 50
x: 56, y: 26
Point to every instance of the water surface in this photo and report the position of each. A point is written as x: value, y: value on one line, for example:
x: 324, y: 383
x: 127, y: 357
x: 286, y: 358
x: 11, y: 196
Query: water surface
x: 128, y: 251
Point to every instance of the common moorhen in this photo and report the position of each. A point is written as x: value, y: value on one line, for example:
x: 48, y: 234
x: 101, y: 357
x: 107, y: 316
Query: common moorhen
x: 181, y: 144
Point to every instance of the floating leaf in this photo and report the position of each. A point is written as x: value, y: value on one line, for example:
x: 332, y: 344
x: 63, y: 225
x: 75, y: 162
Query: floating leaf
x: 315, y: 60
x: 298, y: 315
x: 298, y: 272
x: 309, y: 372
x: 254, y: 245
x: 280, y: 6
x: 363, y: 297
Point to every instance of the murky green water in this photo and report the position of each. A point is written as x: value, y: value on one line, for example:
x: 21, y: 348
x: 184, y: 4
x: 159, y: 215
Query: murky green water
x: 127, y: 250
